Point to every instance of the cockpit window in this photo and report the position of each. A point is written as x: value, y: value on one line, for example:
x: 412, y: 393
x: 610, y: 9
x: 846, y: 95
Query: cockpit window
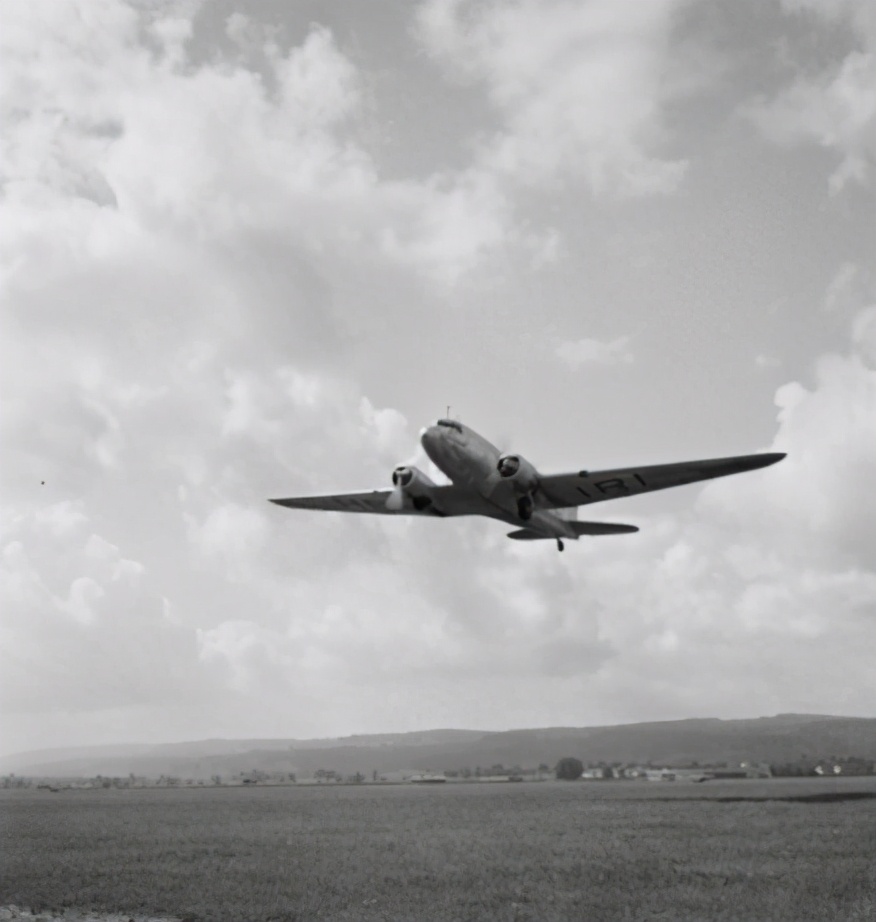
x: 450, y: 424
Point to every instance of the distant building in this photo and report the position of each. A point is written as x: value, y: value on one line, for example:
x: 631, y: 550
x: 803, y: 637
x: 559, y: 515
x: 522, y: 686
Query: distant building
x: 659, y: 774
x: 744, y: 770
x: 704, y: 773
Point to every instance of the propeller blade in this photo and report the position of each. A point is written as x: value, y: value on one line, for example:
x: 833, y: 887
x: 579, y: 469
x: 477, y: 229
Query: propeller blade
x: 396, y: 500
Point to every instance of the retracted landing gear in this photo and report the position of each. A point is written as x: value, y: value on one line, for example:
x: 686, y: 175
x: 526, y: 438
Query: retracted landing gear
x: 525, y: 507
x: 560, y: 545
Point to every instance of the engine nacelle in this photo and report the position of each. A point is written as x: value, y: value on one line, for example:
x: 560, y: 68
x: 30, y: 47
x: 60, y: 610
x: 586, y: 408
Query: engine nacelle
x: 411, y: 482
x: 411, y: 479
x: 519, y: 472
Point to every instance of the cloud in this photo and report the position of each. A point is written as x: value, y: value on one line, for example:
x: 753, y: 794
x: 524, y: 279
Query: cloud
x: 735, y: 600
x: 813, y: 568
x: 105, y: 123
x: 595, y: 352
x: 814, y: 499
x: 835, y: 108
x: 84, y: 629
x: 849, y: 288
x: 169, y: 343
x: 704, y: 606
x: 61, y: 518
x: 864, y: 336
x: 451, y: 222
x: 215, y: 294
x: 85, y: 593
x: 858, y: 12
x: 579, y: 87
x: 769, y: 575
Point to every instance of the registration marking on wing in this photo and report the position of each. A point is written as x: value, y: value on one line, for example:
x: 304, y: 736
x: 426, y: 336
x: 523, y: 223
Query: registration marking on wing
x: 612, y: 484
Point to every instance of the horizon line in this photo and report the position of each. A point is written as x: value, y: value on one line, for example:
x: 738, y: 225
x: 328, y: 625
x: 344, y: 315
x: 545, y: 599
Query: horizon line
x: 318, y: 739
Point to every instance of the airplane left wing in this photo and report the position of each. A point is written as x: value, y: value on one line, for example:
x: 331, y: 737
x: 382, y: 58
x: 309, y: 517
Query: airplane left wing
x: 584, y: 487
x: 373, y: 501
x: 440, y: 500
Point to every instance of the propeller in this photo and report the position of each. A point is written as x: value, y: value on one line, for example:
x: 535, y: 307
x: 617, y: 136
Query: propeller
x: 508, y: 466
x: 396, y: 500
x: 401, y: 477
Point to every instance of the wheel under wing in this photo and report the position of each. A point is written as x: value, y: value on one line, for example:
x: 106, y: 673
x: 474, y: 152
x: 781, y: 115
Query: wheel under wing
x: 578, y: 489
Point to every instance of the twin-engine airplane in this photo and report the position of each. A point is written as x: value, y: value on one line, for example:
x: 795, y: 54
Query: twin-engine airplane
x: 507, y: 487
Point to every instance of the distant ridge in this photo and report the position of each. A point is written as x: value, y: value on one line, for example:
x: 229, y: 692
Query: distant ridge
x: 782, y: 738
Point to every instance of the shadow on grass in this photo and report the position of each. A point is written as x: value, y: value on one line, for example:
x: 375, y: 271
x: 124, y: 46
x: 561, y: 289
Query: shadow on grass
x: 826, y: 798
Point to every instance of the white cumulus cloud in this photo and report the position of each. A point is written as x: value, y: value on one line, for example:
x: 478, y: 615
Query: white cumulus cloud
x: 579, y: 86
x: 596, y: 352
x: 835, y: 108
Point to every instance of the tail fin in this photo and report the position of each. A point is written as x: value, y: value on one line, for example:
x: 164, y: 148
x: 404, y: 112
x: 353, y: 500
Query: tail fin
x: 580, y: 528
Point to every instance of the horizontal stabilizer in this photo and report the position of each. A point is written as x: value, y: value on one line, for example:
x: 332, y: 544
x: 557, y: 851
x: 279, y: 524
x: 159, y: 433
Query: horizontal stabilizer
x: 580, y: 528
x: 602, y: 528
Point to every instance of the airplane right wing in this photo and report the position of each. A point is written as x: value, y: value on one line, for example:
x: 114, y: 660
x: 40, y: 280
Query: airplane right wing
x: 584, y: 487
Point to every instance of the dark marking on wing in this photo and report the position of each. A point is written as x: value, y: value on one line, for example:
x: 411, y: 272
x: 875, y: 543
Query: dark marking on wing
x: 613, y: 483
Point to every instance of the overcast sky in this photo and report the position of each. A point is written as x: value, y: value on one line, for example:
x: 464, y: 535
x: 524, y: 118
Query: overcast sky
x: 250, y: 249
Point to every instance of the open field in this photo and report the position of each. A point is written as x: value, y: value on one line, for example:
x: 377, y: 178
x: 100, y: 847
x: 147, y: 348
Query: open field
x: 552, y: 851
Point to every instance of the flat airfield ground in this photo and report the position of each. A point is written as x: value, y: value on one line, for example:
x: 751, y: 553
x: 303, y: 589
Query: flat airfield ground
x: 602, y: 851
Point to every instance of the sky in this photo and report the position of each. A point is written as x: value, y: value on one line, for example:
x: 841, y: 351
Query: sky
x: 249, y: 249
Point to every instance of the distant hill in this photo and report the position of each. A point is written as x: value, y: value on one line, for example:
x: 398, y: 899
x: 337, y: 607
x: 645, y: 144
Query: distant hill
x: 784, y: 738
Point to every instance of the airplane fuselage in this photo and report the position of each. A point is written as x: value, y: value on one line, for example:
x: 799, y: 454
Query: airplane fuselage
x: 468, y: 459
x: 461, y: 453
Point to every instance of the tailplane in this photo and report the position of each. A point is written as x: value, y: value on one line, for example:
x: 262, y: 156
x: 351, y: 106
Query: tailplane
x: 580, y: 528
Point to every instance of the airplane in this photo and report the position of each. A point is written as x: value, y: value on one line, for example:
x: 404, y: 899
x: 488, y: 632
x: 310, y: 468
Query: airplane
x: 507, y: 487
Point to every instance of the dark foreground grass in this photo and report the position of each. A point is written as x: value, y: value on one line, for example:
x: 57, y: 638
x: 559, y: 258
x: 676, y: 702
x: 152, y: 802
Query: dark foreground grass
x: 553, y: 851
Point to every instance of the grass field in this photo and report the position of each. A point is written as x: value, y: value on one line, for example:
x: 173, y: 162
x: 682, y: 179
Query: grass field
x: 552, y: 851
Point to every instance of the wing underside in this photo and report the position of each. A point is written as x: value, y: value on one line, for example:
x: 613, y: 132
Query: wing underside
x: 585, y: 487
x: 440, y: 501
x: 372, y: 501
